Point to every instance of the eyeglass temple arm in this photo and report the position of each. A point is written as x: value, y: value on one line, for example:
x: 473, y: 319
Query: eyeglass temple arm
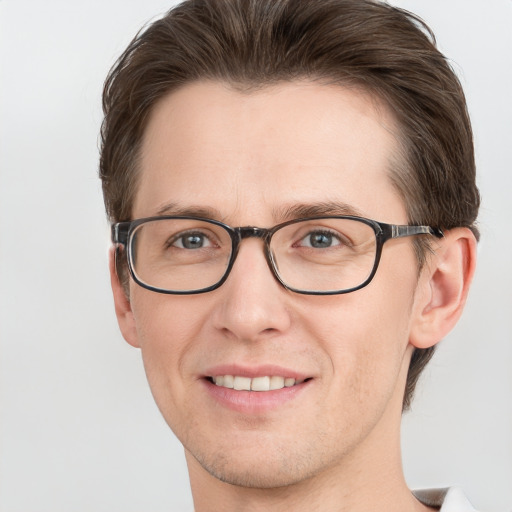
x: 401, y: 231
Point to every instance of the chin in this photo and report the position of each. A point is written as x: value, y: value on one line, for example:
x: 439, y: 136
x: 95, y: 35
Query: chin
x: 267, y: 475
x: 263, y: 465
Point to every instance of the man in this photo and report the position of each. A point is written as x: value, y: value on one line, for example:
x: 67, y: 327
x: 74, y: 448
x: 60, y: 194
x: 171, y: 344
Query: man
x: 291, y: 186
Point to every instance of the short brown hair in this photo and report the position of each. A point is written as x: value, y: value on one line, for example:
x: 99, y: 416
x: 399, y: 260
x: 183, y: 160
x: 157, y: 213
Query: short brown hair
x: 251, y: 44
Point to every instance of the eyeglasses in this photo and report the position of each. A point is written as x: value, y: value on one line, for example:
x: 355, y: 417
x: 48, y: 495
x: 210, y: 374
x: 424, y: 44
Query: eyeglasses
x: 316, y: 256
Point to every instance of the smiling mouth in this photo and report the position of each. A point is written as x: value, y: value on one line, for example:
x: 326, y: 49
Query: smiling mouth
x: 264, y: 383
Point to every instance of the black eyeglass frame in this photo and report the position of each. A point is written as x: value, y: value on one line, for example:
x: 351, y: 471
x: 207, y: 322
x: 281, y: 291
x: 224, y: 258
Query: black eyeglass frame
x: 121, y: 233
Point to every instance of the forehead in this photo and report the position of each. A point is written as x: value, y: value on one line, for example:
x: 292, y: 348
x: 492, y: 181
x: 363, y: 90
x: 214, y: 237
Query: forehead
x: 250, y: 155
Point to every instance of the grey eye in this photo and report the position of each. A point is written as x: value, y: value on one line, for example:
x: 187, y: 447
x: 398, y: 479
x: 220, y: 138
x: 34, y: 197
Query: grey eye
x: 320, y: 240
x: 192, y: 241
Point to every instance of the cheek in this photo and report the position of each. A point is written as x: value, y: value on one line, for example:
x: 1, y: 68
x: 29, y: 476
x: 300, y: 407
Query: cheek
x: 167, y: 327
x: 165, y: 322
x: 365, y: 336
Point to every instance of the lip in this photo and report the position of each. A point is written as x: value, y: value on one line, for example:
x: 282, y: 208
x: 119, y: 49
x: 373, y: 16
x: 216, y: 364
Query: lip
x: 254, y: 402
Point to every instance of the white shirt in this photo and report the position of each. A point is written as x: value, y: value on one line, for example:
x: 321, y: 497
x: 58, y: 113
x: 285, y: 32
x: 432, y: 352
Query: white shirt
x: 450, y: 500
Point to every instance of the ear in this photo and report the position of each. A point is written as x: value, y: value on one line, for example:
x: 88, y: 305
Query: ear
x: 122, y: 304
x: 443, y: 288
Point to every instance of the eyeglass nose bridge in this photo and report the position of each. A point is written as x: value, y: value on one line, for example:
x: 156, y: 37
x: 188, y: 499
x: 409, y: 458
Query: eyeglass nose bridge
x: 252, y: 232
x: 255, y: 232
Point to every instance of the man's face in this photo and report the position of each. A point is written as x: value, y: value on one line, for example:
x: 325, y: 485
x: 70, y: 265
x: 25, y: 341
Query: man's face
x: 247, y: 160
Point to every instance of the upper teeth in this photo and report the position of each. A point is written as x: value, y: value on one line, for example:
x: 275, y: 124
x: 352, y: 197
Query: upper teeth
x: 254, y: 384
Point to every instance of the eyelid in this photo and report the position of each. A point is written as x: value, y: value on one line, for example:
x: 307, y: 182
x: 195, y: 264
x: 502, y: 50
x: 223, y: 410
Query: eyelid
x: 307, y: 231
x: 319, y: 226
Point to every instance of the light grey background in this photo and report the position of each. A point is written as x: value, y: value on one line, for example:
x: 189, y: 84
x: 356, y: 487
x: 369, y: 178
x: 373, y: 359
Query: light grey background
x: 79, y: 430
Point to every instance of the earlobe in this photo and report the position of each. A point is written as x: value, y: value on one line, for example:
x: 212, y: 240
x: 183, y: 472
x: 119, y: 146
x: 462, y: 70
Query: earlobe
x: 443, y: 288
x: 122, y: 305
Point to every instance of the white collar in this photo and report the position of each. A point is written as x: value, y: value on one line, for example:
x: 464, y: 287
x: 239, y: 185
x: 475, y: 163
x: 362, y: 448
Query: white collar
x: 450, y: 499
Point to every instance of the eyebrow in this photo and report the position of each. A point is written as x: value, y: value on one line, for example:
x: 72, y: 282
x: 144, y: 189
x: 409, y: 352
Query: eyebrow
x: 188, y: 211
x: 280, y: 214
x: 303, y: 210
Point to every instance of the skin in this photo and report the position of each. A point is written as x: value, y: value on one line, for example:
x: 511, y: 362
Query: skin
x: 244, y: 158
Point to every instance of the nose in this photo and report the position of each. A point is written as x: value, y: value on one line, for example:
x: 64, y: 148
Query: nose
x: 254, y: 304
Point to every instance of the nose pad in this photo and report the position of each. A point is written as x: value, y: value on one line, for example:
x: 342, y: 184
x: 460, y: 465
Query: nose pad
x: 254, y: 301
